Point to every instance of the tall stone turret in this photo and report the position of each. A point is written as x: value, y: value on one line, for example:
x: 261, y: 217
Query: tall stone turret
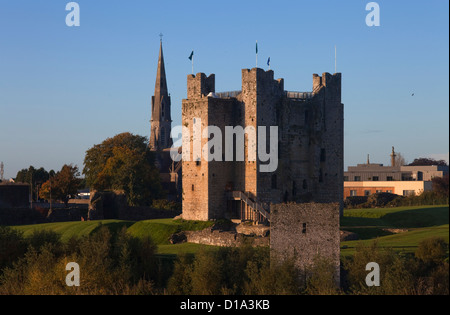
x: 161, y: 122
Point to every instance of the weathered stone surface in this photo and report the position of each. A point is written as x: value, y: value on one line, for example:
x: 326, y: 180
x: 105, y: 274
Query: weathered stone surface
x: 216, y: 237
x: 305, y: 232
x: 257, y: 230
x: 310, y: 144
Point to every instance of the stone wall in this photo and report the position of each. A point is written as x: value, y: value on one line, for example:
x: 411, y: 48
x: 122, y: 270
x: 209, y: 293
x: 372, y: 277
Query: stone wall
x: 224, y: 238
x: 113, y: 205
x: 146, y: 213
x: 20, y: 216
x: 310, y: 143
x: 14, y: 196
x: 305, y: 232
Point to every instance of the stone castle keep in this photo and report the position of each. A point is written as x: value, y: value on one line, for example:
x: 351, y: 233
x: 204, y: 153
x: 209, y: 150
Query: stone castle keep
x: 301, y: 198
x: 310, y: 146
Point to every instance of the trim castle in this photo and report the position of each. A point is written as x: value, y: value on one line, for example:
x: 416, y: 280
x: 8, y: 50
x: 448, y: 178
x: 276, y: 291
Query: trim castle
x: 302, y: 199
x: 310, y: 146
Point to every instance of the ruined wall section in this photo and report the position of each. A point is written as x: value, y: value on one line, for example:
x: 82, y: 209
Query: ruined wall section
x: 304, y: 232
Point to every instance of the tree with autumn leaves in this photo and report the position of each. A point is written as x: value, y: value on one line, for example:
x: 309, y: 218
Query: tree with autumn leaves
x: 125, y: 163
x: 63, y: 185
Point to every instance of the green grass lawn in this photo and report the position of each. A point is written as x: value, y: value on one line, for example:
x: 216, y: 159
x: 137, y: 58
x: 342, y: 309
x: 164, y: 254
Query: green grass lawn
x: 421, y: 223
x: 158, y: 230
x: 402, y: 217
x: 68, y: 230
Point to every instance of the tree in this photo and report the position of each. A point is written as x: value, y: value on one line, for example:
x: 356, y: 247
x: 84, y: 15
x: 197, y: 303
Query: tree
x: 124, y: 163
x: 400, y: 159
x: 441, y: 185
x: 427, y: 161
x: 63, y: 186
x: 34, y: 176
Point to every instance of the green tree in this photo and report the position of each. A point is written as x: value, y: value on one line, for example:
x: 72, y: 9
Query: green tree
x: 124, y: 163
x: 441, y: 186
x: 63, y: 186
x: 34, y: 176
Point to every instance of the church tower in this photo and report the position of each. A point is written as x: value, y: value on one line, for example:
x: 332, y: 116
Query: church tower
x: 161, y: 121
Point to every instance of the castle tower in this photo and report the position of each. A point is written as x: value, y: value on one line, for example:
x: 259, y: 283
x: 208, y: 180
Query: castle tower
x: 161, y: 121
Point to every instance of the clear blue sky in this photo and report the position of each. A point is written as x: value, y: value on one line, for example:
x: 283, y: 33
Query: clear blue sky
x: 63, y: 89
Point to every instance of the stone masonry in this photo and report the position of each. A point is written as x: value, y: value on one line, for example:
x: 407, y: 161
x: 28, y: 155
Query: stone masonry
x: 310, y: 144
x: 306, y: 232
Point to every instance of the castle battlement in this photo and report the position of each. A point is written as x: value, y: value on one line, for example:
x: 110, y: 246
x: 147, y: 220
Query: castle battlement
x: 310, y: 144
x: 200, y: 85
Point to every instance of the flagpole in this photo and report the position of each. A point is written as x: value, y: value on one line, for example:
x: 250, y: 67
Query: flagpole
x: 335, y: 59
x: 256, y: 54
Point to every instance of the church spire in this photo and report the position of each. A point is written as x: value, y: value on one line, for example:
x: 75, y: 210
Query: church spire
x: 161, y: 121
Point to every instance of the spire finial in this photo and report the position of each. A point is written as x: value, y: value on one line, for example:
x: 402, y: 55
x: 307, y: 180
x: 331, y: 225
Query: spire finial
x: 161, y: 36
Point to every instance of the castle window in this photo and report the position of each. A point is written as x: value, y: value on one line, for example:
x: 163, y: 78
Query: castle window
x: 375, y: 178
x: 198, y: 162
x: 193, y: 187
x: 274, y: 181
x: 353, y: 193
x: 323, y: 155
x: 357, y: 178
x: 389, y: 178
x: 367, y: 192
x: 304, y: 228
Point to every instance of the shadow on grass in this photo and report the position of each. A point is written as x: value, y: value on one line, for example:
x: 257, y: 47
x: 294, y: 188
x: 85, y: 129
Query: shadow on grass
x: 113, y: 227
x: 417, y: 218
x: 414, y: 218
x: 368, y: 233
x: 358, y: 221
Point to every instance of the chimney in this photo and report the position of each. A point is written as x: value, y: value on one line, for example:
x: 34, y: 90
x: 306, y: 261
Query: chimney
x: 393, y: 156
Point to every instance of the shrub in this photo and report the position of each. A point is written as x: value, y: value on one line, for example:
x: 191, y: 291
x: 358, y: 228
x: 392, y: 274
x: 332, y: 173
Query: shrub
x: 322, y: 279
x: 12, y: 246
x: 432, y: 251
x: 396, y: 277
